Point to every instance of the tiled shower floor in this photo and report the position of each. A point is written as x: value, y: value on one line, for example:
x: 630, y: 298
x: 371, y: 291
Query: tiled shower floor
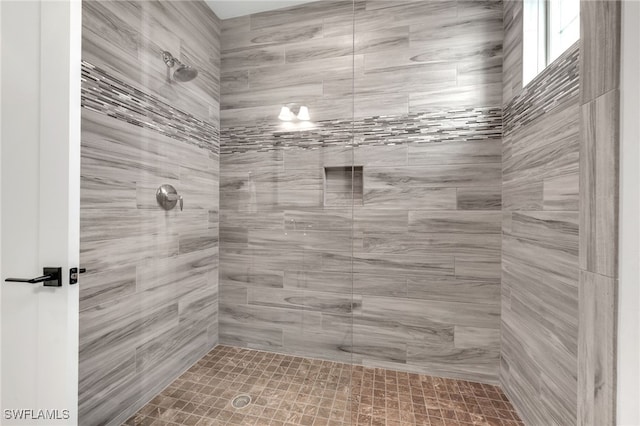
x: 288, y: 390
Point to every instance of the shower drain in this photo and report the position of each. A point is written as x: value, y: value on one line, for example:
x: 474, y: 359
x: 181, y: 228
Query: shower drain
x: 241, y: 401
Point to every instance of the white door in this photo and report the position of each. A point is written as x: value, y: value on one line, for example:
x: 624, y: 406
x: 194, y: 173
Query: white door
x: 40, y: 204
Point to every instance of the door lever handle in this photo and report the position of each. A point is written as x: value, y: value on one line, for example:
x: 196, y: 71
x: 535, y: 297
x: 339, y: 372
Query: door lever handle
x: 52, y: 278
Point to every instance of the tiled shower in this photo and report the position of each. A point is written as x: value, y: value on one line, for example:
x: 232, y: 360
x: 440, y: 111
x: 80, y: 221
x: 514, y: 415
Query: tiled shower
x: 412, y: 248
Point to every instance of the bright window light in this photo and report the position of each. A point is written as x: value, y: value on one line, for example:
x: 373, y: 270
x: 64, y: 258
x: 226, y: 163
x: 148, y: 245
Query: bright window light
x: 549, y: 28
x: 564, y: 26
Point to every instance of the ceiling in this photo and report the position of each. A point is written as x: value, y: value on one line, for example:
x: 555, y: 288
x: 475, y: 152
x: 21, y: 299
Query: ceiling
x: 226, y: 9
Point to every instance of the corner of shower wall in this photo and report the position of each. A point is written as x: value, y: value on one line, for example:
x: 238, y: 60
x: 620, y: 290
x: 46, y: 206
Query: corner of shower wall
x: 149, y: 302
x: 540, y: 238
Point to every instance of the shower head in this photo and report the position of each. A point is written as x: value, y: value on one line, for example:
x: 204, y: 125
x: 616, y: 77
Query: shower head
x: 183, y: 73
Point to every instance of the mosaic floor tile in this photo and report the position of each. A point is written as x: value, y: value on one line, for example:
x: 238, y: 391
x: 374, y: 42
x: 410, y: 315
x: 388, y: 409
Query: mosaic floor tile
x: 289, y: 390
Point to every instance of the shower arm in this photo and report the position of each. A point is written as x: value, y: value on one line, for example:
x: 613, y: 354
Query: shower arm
x: 170, y: 60
x: 168, y: 74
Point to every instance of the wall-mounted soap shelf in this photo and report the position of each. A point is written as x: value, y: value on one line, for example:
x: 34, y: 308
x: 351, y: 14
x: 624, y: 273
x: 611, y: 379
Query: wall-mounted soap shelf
x: 343, y: 186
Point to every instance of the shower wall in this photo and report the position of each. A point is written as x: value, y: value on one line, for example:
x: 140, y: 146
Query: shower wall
x: 149, y: 299
x: 540, y: 245
x: 416, y: 107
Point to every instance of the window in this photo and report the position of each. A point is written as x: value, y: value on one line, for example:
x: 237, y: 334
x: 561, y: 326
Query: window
x: 549, y: 28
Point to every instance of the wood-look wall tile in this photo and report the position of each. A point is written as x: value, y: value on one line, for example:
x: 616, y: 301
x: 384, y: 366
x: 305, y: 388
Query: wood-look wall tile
x: 251, y: 57
x: 107, y: 285
x: 411, y: 197
x: 596, y: 346
x: 407, y: 265
x: 476, y: 337
x: 481, y: 71
x: 272, y: 180
x: 151, y: 292
x: 390, y: 155
x: 334, y: 345
x: 230, y: 81
x: 102, y: 255
x: 600, y: 48
x: 332, y: 282
x: 546, y: 139
x: 474, y: 362
x: 315, y: 160
x: 301, y: 13
x: 417, y: 243
x: 600, y: 43
x: 561, y: 193
x: 391, y: 220
x: 100, y: 337
x: 368, y: 346
x: 482, y: 8
x: 250, y: 336
x: 318, y: 220
x: 250, y: 276
x: 523, y: 194
x: 460, y: 95
x: 376, y: 330
x: 554, y: 258
x: 457, y: 176
x: 464, y: 222
x: 121, y: 193
x: 512, y: 49
x: 452, y: 289
x: 236, y: 33
x: 487, y: 198
x: 154, y: 353
x: 199, y: 305
x: 304, y: 300
x: 477, y: 267
x: 292, y: 93
x: 426, y: 312
x: 599, y: 180
x: 391, y: 285
x: 559, y: 295
x: 308, y: 72
x: 392, y: 262
x: 114, y: 381
x: 254, y: 315
x: 250, y: 220
x: 233, y: 294
x: 556, y: 229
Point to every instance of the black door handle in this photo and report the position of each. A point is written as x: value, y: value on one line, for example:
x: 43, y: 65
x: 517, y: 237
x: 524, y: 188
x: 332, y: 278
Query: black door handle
x: 52, y: 278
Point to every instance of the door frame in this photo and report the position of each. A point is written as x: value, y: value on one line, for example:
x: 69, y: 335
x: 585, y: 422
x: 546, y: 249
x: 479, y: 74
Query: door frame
x: 628, y: 351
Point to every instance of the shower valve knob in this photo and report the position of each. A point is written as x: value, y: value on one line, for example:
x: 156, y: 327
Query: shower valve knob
x: 167, y: 197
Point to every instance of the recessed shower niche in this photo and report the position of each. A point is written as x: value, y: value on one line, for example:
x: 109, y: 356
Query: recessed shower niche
x: 343, y: 186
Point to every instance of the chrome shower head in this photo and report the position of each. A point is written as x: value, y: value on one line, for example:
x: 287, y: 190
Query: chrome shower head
x: 184, y: 73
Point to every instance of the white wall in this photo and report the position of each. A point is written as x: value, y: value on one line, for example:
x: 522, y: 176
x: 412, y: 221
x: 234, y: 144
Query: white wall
x: 628, y: 391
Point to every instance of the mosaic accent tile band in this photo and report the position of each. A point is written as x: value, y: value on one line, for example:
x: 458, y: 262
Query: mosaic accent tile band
x: 425, y: 127
x: 107, y: 95
x: 559, y: 82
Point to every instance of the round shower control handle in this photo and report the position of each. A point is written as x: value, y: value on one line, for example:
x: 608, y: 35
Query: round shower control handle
x: 168, y: 197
